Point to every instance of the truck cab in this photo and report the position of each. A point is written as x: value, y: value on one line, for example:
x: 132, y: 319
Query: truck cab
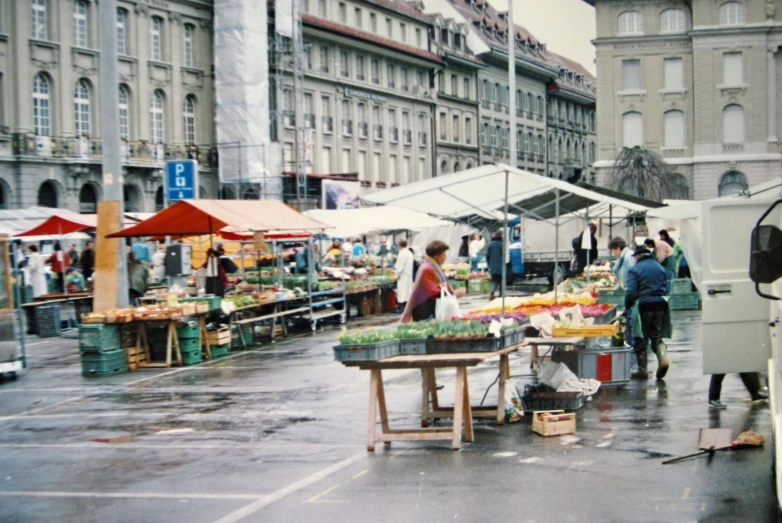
x: 514, y: 248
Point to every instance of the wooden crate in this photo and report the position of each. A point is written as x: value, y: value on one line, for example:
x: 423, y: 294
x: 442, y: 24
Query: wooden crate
x: 219, y: 337
x: 553, y: 422
x: 586, y: 331
x: 135, y: 356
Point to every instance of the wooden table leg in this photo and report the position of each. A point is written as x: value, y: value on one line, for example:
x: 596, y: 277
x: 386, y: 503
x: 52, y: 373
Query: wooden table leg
x: 424, y: 397
x: 458, y: 408
x: 533, y: 356
x: 381, y: 402
x: 142, y: 340
x: 204, y: 336
x: 169, y: 343
x: 373, y: 388
x: 468, y: 433
x: 433, y: 388
x: 504, y: 370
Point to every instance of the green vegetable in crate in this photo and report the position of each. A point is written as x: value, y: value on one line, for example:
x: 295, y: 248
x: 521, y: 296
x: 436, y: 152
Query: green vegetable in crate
x: 365, y: 337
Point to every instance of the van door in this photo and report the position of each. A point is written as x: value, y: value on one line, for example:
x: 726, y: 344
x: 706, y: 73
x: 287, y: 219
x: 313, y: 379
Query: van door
x: 735, y: 319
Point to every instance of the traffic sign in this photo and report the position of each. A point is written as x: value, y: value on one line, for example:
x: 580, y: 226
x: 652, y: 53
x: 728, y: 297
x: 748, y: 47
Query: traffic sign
x: 181, y: 180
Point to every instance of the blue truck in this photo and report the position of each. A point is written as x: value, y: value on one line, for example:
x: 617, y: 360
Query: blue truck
x: 540, y: 264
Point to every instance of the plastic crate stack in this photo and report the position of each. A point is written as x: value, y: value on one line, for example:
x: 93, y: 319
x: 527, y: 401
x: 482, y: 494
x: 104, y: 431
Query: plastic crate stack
x: 101, y: 351
x: 682, y: 297
x: 189, y: 336
x: 219, y: 340
x: 47, y: 319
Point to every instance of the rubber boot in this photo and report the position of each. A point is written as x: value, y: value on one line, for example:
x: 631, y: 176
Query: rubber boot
x: 662, y: 359
x: 641, y: 373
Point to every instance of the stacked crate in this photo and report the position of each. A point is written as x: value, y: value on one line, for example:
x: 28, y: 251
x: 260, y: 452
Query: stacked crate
x: 682, y: 298
x: 127, y: 340
x: 219, y: 341
x: 47, y: 319
x: 189, y: 336
x: 101, y: 350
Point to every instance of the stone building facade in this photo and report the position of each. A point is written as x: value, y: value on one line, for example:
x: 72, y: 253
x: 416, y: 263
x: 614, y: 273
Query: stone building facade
x: 50, y: 147
x: 695, y: 81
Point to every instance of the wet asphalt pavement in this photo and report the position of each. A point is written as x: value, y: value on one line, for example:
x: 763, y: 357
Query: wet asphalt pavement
x: 278, y: 434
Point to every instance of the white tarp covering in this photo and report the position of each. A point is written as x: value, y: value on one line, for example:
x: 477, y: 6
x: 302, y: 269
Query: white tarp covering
x: 372, y: 220
x: 482, y: 190
x: 242, y: 91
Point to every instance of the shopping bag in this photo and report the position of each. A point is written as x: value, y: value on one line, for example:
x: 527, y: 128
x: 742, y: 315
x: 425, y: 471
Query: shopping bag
x: 447, y: 306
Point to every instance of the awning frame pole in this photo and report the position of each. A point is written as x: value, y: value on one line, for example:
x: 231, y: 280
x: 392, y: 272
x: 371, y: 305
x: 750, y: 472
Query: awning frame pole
x: 505, y: 246
x: 556, y: 247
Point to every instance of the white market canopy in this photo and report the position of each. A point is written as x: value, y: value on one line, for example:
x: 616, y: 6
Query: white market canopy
x: 371, y: 220
x: 481, y: 192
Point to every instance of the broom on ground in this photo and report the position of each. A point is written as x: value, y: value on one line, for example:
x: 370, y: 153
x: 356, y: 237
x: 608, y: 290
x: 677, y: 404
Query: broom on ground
x: 747, y: 439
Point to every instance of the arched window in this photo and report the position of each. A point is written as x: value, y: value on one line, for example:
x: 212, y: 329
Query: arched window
x: 122, y: 31
x: 631, y: 23
x: 42, y: 121
x: 88, y: 199
x: 190, y: 119
x: 456, y: 167
x: 226, y: 193
x: 732, y: 13
x: 47, y: 195
x: 202, y: 194
x: 251, y: 193
x: 156, y: 38
x: 159, y: 201
x: 673, y: 129
x: 561, y: 153
x: 189, y: 45
x: 733, y: 124
x: 157, y: 118
x: 132, y: 197
x: 672, y: 21
x: 5, y: 195
x: 124, y: 113
x: 731, y: 183
x: 80, y: 27
x: 82, y: 113
x: 632, y: 129
x: 468, y: 166
x: 40, y: 19
x: 444, y: 167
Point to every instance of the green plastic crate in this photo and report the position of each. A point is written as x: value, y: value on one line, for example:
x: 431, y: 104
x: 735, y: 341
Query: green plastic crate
x: 219, y: 351
x: 681, y: 286
x: 213, y: 301
x: 188, y: 332
x: 98, y: 338
x: 190, y: 346
x: 249, y: 337
x: 104, y: 364
x: 191, y: 358
x: 685, y: 302
x: 612, y: 297
x: 458, y: 284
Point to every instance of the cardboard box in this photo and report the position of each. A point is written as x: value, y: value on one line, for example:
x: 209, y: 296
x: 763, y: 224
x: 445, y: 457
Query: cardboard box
x: 553, y: 423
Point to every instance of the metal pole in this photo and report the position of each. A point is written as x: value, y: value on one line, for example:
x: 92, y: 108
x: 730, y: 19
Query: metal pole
x: 589, y: 251
x: 18, y: 292
x: 511, y: 89
x: 505, y: 245
x: 298, y: 96
x: 556, y: 245
x: 109, y: 128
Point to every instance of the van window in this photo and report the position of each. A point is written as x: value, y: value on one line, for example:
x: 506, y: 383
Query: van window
x: 516, y: 236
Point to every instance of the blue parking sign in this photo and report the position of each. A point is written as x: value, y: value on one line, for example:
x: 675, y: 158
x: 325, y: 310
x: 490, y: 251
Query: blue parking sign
x: 181, y: 180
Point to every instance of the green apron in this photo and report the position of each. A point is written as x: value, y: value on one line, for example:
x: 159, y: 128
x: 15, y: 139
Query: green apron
x: 638, y: 330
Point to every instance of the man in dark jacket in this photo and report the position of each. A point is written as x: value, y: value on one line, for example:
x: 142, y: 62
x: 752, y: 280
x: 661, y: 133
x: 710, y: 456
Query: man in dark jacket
x: 495, y: 261
x: 648, y: 284
x: 87, y: 261
x: 585, y: 256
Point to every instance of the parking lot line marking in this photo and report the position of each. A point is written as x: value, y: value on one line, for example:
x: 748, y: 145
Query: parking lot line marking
x: 361, y: 473
x: 264, y: 501
x: 686, y: 493
x: 315, y: 498
x: 135, y: 495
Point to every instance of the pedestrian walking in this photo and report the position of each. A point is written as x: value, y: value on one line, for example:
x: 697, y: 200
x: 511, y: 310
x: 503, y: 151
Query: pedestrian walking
x: 138, y: 278
x: 159, y: 263
x: 404, y: 274
x: 87, y: 261
x: 431, y: 279
x: 476, y: 245
x: 495, y: 260
x: 647, y: 286
x: 74, y: 255
x: 585, y: 246
x: 751, y: 381
x: 59, y: 262
x: 37, y: 271
x: 624, y: 260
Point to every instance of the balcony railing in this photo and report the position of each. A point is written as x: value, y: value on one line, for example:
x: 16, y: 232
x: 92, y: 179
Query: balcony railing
x: 733, y: 147
x: 90, y: 149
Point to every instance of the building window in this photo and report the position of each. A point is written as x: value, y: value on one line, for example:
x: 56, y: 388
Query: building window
x: 389, y: 28
x: 391, y: 76
x: 360, y: 70
x: 732, y: 69
x: 422, y: 130
x: 327, y: 122
x: 405, y: 78
x: 42, y: 106
x: 393, y: 131
x: 122, y: 31
x: 454, y: 85
x: 466, y: 91
x: 732, y: 13
x: 362, y: 121
x: 443, y: 132
x: 322, y: 10
x: 124, y: 113
x: 673, y: 79
x: 631, y: 23
x: 375, y: 66
x: 156, y: 30
x: 359, y: 18
x: 421, y: 78
x: 373, y: 22
x: 344, y: 64
x: 343, y: 13
x: 377, y: 123
x: 468, y: 130
x: 403, y: 33
x: 157, y: 118
x: 40, y: 20
x: 308, y: 55
x: 288, y: 112
x: 631, y: 75
x: 672, y: 21
x: 309, y: 112
x: 632, y: 129
x: 81, y: 108
x: 407, y: 134
x: 530, y: 103
x: 80, y: 34
x: 733, y: 124
x: 504, y: 134
x: 324, y: 59
x: 347, y: 119
x: 732, y: 183
x: 673, y: 129
x: 419, y: 38
x: 189, y: 47
x: 493, y: 135
x: 485, y: 134
x: 190, y: 119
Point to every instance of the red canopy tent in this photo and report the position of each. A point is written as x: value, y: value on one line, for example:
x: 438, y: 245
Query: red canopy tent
x: 195, y: 217
x: 59, y: 225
